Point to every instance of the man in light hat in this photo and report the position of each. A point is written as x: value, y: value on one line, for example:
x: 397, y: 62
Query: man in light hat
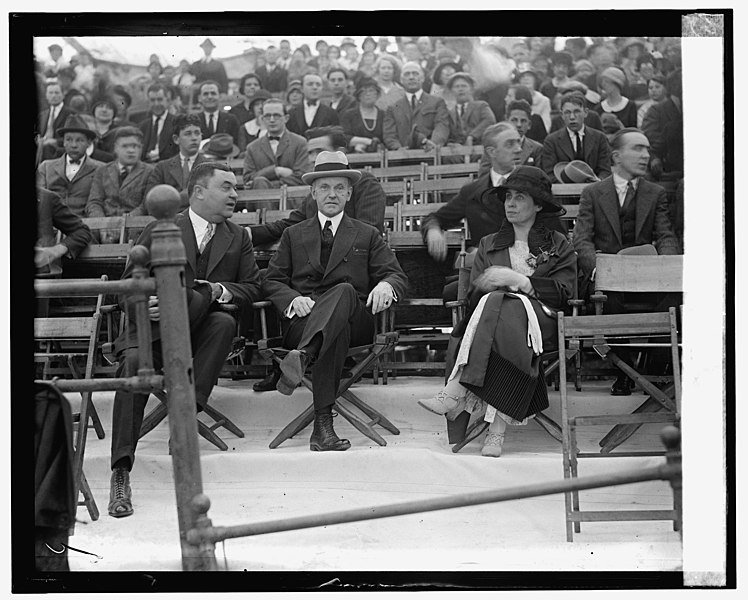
x: 209, y: 68
x: 330, y: 276
x: 469, y: 118
x: 71, y: 174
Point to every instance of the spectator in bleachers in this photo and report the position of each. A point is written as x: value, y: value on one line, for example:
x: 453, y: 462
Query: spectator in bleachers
x: 84, y: 74
x: 537, y: 47
x: 540, y: 104
x: 469, y: 118
x: 610, y: 125
x: 439, y: 87
x: 183, y: 79
x: 55, y: 62
x: 363, y: 124
x: 337, y: 81
x: 631, y: 50
x: 209, y: 68
x: 71, y: 175
x: 602, y: 55
x: 427, y: 60
x: 311, y: 113
x: 383, y: 44
x: 612, y: 83
x: 591, y: 99
x: 79, y: 105
x: 519, y: 114
x: 365, y: 67
x: 294, y: 95
x: 298, y: 67
x: 219, y: 148
x: 577, y: 47
x: 541, y: 65
x: 280, y: 157
x: 663, y: 126
x: 249, y: 85
x: 576, y: 141
x: 284, y: 54
x: 521, y: 55
x: 657, y: 92
x: 119, y: 187
x: 387, y: 74
x: 104, y: 112
x: 123, y: 100
x: 65, y: 77
x: 255, y: 127
x: 584, y: 72
x: 643, y: 72
x: 349, y: 59
x: 418, y: 120
x: 158, y: 126
x: 51, y: 119
x: 369, y: 44
x: 274, y: 78
x: 54, y: 215
x: 494, y: 355
x: 620, y: 212
x: 537, y: 130
x: 212, y: 119
x: 175, y: 171
x: 561, y: 63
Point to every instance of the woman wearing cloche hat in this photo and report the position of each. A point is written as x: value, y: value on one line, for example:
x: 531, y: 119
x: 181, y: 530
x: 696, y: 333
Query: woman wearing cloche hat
x: 612, y: 85
x: 520, y: 276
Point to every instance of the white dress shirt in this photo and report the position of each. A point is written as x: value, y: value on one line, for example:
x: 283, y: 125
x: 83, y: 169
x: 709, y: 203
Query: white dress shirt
x: 417, y: 94
x: 621, y: 185
x: 497, y: 178
x: 573, y: 138
x: 71, y: 169
x: 310, y: 111
x: 200, y: 227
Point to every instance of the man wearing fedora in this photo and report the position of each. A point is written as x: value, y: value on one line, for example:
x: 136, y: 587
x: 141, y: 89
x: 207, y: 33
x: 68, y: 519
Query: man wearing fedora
x: 621, y: 212
x: 330, y: 276
x: 175, y: 171
x: 72, y: 174
x: 157, y: 126
x: 209, y: 68
x: 280, y: 157
x: 576, y: 141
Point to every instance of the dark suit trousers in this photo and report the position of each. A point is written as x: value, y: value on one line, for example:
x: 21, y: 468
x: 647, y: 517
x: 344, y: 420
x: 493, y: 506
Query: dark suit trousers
x: 343, y: 321
x: 211, y: 343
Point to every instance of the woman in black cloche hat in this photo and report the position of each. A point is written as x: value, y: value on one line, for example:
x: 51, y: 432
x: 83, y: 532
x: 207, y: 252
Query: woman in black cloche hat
x: 521, y: 275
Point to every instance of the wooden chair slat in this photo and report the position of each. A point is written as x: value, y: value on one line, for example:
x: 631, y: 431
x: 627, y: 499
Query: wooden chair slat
x: 636, y: 273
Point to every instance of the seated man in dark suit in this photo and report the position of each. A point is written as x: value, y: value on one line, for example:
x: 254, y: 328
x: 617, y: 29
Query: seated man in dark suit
x: 418, y: 120
x: 212, y: 119
x: 330, y: 276
x: 620, y: 212
x: 158, y: 125
x: 175, y: 171
x: 311, y: 112
x: 52, y: 214
x: 519, y: 113
x: 220, y: 268
x: 576, y: 141
x: 274, y: 77
x: 278, y: 157
x: 337, y: 79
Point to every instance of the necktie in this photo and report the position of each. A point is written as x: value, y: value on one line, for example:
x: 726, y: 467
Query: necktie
x: 630, y: 191
x: 274, y: 138
x: 211, y: 126
x: 75, y: 162
x: 579, y: 152
x: 154, y: 135
x: 462, y: 110
x: 327, y: 239
x: 185, y: 172
x: 50, y: 133
x: 122, y: 175
x: 207, y: 237
x: 413, y: 102
x: 311, y: 103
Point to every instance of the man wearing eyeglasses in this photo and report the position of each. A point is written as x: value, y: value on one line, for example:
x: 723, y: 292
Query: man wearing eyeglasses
x: 278, y: 157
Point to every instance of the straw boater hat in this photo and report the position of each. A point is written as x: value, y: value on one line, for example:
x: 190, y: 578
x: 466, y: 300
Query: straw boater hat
x: 75, y: 124
x: 331, y: 164
x: 576, y: 171
x: 534, y: 182
x: 220, y: 144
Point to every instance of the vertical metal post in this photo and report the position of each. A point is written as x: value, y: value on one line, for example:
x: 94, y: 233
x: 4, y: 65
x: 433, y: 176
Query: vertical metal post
x: 671, y: 439
x: 167, y: 260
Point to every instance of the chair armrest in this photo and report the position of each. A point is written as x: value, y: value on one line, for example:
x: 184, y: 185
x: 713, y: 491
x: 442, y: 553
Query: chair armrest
x: 229, y: 307
x: 456, y: 303
x: 262, y: 304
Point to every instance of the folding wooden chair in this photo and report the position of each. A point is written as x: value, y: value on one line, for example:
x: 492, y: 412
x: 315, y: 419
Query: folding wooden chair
x: 256, y: 199
x: 466, y: 153
x: 68, y: 339
x: 436, y: 190
x: 366, y: 357
x: 605, y: 333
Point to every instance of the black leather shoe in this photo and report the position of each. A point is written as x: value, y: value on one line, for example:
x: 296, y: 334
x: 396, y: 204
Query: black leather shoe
x: 621, y: 387
x: 268, y: 384
x: 120, y: 494
x: 292, y: 371
x: 324, y: 437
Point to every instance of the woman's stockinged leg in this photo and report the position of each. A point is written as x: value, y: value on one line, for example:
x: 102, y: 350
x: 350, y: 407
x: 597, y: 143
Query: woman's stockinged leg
x: 494, y: 441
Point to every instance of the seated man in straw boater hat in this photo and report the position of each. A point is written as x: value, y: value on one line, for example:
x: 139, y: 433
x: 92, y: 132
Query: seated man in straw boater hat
x: 330, y: 276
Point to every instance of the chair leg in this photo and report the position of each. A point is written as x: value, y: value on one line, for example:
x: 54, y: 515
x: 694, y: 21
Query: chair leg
x: 553, y: 428
x: 473, y: 432
x: 222, y: 420
x: 364, y: 428
x: 294, y: 427
x: 96, y: 421
x: 153, y: 418
x: 377, y: 417
x: 211, y: 436
x: 573, y: 467
x: 88, y: 498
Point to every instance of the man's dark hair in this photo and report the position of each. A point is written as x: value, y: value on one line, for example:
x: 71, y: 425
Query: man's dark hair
x: 305, y: 75
x: 616, y: 140
x: 522, y: 105
x: 184, y: 121
x: 337, y: 70
x: 208, y: 82
x: 157, y: 87
x: 577, y: 42
x: 275, y: 101
x: 128, y: 132
x: 574, y: 98
x: 243, y: 80
x: 644, y: 59
x: 53, y: 82
x: 659, y: 79
x: 201, y: 174
x: 336, y: 133
x: 522, y: 92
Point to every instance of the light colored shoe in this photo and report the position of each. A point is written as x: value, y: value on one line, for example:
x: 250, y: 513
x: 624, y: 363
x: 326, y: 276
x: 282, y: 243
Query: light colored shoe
x: 440, y: 404
x: 493, y: 444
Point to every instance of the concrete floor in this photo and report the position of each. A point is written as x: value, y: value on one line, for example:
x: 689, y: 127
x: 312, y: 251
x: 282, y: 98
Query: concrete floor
x: 250, y: 483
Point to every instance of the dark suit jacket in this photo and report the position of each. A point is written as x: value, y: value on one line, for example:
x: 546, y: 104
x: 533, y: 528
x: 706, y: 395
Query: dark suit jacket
x: 60, y: 119
x: 404, y: 128
x: 367, y: 204
x: 482, y: 210
x: 275, y: 81
x: 226, y: 123
x: 241, y: 113
x: 353, y: 126
x: 259, y: 161
x: 346, y: 102
x: 478, y: 116
x: 212, y: 70
x: 74, y: 193
x: 663, y: 126
x: 231, y: 263
x: 166, y: 146
x: 557, y: 148
x: 325, y: 116
x: 598, y: 227
x: 108, y: 199
x: 53, y: 214
x: 531, y: 155
x: 169, y: 171
x: 359, y: 257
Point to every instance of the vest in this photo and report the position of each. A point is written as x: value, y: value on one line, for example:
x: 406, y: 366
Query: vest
x: 202, y: 261
x: 627, y: 218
